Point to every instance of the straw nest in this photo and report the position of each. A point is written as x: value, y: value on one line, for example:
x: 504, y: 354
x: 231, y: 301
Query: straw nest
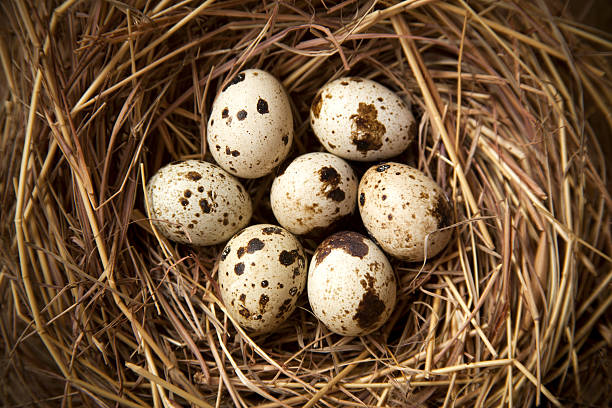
x: 98, y: 311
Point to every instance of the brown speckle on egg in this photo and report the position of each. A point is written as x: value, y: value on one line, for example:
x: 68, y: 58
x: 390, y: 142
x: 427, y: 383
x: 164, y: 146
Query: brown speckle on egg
x: 239, y: 268
x: 262, y: 106
x: 350, y: 242
x: 235, y: 80
x: 193, y: 175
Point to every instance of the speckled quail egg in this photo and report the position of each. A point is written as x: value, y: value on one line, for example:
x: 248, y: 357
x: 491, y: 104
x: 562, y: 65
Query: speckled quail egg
x: 314, y: 192
x: 359, y: 119
x: 196, y: 202
x: 262, y: 272
x: 250, y: 129
x: 402, y: 208
x: 351, y: 285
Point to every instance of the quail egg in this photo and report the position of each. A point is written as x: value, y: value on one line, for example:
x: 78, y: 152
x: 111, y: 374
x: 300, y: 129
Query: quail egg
x: 351, y: 285
x: 359, y: 119
x: 262, y: 272
x: 250, y: 129
x: 196, y: 202
x: 403, y: 210
x: 315, y: 191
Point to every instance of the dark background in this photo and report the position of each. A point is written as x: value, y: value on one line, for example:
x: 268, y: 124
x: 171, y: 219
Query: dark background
x: 597, y: 13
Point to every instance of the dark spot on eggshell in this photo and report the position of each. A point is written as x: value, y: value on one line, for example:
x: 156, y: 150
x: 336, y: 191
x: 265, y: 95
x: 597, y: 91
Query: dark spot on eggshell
x: 193, y: 175
x: 442, y: 212
x: 264, y: 283
x: 187, y: 193
x: 225, y: 252
x: 254, y: 245
x: 296, y: 272
x: 263, y: 301
x: 328, y: 174
x: 350, y: 242
x: 200, y: 189
x: 271, y: 230
x: 283, y: 308
x: 384, y: 197
x: 285, y: 139
x: 369, y: 310
x: 362, y: 199
x: 206, y: 207
x: 225, y: 113
x: 239, y: 268
x: 330, y: 178
x: 245, y: 312
x: 242, y: 297
x: 184, y: 202
x: 366, y: 131
x: 234, y: 153
x: 344, y: 83
x: 382, y: 167
x: 262, y: 106
x: 287, y: 258
x: 241, y: 115
x: 240, y: 252
x: 293, y: 291
x: 336, y: 195
x: 316, y: 105
x: 237, y: 79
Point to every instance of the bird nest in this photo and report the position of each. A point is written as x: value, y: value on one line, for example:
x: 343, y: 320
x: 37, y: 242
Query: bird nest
x: 98, y: 310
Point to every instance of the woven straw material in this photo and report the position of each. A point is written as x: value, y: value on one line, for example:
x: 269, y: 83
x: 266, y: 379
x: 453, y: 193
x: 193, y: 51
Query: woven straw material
x: 97, y: 309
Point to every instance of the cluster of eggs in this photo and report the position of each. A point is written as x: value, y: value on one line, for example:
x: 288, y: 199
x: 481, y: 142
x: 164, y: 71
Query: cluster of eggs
x: 263, y: 268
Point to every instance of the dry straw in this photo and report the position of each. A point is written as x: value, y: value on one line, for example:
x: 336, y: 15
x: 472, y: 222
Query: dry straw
x: 99, y: 310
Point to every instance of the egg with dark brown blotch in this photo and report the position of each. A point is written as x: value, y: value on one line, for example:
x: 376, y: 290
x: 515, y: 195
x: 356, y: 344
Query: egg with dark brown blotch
x: 359, y: 119
x: 250, y: 128
x: 316, y: 191
x: 405, y: 211
x: 196, y: 202
x: 351, y: 285
x: 262, y: 272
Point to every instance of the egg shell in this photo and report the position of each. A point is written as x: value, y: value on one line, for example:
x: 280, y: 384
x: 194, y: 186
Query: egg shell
x: 262, y: 272
x: 196, y: 202
x: 400, y: 206
x: 250, y: 129
x: 351, y: 285
x: 315, y: 191
x: 359, y: 119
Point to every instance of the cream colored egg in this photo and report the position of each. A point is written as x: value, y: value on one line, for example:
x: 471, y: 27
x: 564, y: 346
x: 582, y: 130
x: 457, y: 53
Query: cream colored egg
x: 403, y: 209
x: 262, y: 272
x: 359, y: 119
x: 351, y: 285
x: 196, y: 202
x: 314, y: 192
x: 250, y: 129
